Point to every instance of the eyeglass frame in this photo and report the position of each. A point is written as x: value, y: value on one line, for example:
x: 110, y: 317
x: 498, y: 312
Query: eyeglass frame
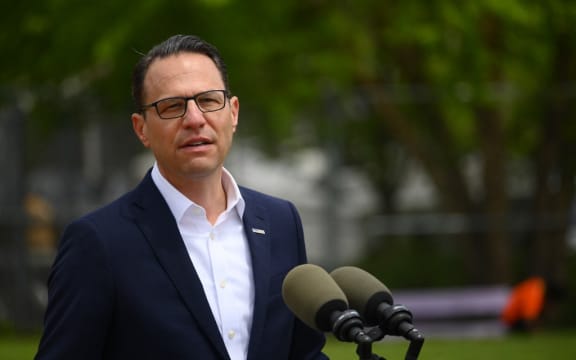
x: 187, y: 99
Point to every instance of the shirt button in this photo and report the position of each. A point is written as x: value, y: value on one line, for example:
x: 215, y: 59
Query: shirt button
x: 231, y: 334
x: 212, y: 236
x: 223, y: 284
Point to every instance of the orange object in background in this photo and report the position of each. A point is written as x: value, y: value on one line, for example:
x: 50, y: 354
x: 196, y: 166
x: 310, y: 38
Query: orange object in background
x: 525, y: 303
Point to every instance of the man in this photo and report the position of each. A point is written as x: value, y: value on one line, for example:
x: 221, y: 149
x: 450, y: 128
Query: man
x: 187, y: 265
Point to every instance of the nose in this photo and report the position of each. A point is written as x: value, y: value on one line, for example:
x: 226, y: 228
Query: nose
x: 193, y: 116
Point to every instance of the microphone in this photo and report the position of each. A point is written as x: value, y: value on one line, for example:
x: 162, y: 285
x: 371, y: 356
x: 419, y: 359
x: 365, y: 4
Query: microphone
x: 374, y: 302
x: 315, y: 298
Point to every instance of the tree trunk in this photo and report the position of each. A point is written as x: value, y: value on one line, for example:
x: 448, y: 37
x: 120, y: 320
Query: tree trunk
x: 444, y: 173
x: 555, y: 168
x: 495, y: 205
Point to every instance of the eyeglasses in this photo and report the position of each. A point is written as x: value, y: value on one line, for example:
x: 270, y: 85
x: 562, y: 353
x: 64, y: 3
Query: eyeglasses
x: 175, y: 107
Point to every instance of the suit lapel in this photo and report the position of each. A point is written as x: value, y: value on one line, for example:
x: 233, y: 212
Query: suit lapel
x: 257, y: 233
x: 161, y: 232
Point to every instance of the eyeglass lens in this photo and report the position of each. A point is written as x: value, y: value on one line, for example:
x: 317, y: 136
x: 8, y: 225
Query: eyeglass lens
x: 176, y: 107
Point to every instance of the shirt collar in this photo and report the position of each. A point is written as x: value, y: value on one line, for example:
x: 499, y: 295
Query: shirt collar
x: 179, y: 203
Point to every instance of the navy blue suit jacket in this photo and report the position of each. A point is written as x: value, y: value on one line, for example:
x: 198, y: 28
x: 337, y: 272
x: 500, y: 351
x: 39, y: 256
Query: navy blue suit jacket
x: 122, y: 286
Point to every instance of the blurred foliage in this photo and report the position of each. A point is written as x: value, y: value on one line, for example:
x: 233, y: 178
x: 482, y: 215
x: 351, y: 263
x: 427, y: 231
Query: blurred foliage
x: 383, y: 81
x: 406, y: 262
x: 294, y: 52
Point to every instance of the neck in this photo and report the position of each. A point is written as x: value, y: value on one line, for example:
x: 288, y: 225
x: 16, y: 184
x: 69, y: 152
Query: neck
x: 212, y: 198
x: 206, y: 191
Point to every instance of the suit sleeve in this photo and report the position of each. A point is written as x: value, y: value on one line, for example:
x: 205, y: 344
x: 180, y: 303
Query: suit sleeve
x: 80, y: 297
x: 307, y: 343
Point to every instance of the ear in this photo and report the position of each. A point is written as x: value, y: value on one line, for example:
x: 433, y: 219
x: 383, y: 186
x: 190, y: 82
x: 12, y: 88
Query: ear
x: 140, y: 128
x: 234, y: 111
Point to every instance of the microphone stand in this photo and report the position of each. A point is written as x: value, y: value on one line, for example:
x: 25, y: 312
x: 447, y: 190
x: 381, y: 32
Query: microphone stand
x: 364, y: 352
x: 416, y: 342
x: 364, y: 345
x: 399, y: 322
x: 364, y: 348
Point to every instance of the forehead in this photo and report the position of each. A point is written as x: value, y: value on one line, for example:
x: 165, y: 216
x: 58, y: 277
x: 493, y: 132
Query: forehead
x: 182, y: 74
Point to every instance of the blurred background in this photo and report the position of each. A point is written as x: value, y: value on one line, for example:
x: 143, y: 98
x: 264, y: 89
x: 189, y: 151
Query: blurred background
x: 432, y: 143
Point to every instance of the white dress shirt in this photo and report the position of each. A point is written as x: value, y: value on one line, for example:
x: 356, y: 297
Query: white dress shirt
x: 221, y: 258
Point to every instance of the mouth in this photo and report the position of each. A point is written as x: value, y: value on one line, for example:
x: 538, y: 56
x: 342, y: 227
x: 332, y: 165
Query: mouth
x: 196, y: 143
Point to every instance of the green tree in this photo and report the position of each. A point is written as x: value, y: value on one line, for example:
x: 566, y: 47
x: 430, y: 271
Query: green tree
x: 446, y: 80
x: 442, y: 80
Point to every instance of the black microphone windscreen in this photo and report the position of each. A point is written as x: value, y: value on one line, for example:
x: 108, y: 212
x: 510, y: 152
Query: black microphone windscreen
x: 363, y: 291
x: 313, y: 296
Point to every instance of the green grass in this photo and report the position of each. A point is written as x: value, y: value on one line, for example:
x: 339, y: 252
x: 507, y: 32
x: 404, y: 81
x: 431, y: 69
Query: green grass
x: 18, y: 347
x: 557, y: 345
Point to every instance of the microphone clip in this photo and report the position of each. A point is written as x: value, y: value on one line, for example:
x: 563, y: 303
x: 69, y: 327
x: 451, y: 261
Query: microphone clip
x: 396, y: 320
x: 348, y: 326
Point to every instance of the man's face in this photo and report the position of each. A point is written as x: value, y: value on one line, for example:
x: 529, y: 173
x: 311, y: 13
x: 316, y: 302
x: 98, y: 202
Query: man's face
x: 195, y: 145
